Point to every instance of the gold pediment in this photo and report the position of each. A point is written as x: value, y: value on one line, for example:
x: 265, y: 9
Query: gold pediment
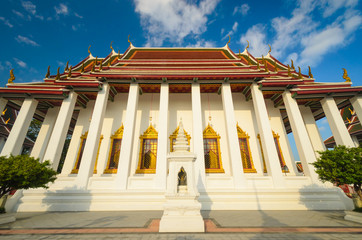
x: 149, y: 133
x: 118, y: 133
x: 241, y: 133
x: 209, y: 132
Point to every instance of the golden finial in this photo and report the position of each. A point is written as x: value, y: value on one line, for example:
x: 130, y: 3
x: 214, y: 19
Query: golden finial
x: 66, y: 67
x: 129, y: 41
x: 119, y: 54
x: 57, y: 77
x: 7, y: 109
x: 247, y: 45
x: 89, y: 49
x: 48, y: 73
x: 292, y: 66
x: 70, y: 72
x: 352, y: 112
x: 269, y: 48
x: 227, y: 44
x: 6, y: 122
x: 349, y: 121
x: 96, y: 61
x: 289, y: 73
x: 82, y: 69
x: 275, y: 66
x: 210, y: 118
x: 345, y: 75
x: 100, y: 65
x: 257, y: 64
x: 111, y: 46
x: 299, y: 73
x: 93, y: 67
x: 310, y: 72
x: 12, y: 76
x: 265, y: 64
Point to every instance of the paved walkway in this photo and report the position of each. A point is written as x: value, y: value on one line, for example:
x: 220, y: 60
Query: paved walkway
x: 218, y: 224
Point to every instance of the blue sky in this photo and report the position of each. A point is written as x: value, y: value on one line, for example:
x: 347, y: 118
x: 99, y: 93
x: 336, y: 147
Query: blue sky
x: 325, y: 34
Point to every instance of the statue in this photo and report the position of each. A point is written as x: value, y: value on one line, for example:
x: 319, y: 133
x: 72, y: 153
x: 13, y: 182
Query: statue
x: 182, y: 177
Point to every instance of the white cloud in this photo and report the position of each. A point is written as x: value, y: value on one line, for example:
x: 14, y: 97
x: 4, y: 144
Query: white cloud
x: 257, y: 39
x: 8, y: 64
x: 173, y: 20
x: 31, y: 8
x: 6, y: 22
x: 78, y: 16
x: 62, y: 9
x: 20, y: 63
x: 202, y: 43
x: 331, y: 6
x: 19, y: 14
x: 243, y: 9
x: 22, y: 39
x: 2, y: 67
x: 232, y: 31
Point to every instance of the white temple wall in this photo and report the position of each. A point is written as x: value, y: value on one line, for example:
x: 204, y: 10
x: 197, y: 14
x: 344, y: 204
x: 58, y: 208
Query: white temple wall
x: 211, y: 105
x: 113, y: 119
x: 80, y: 128
x: 245, y: 117
x: 277, y: 126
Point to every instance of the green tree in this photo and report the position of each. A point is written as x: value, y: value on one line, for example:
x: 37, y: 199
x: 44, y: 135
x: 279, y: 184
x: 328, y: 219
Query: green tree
x: 24, y: 172
x: 341, y: 165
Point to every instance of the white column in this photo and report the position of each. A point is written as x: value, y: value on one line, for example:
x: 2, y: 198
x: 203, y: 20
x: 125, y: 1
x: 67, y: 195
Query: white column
x: 312, y: 129
x: 304, y: 145
x: 57, y: 138
x: 233, y: 140
x: 46, y: 129
x: 127, y: 140
x: 3, y: 103
x: 161, y: 165
x: 198, y: 140
x: 336, y: 123
x: 18, y: 132
x: 91, y: 146
x: 266, y: 137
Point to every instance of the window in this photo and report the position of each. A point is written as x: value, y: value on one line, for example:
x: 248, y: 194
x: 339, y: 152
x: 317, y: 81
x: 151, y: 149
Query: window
x: 212, y: 153
x: 148, y: 151
x: 173, y: 137
x: 114, y: 151
x: 248, y: 164
x: 80, y: 153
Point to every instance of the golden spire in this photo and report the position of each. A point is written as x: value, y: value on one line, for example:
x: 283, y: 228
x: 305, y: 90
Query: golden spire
x: 292, y: 66
x: 119, y: 54
x: 70, y: 72
x: 227, y: 44
x: 352, y: 112
x: 7, y: 109
x: 310, y: 72
x: 6, y: 122
x: 349, y: 121
x: 269, y: 48
x: 96, y: 61
x: 12, y: 76
x: 66, y: 67
x: 93, y: 67
x: 247, y: 45
x: 345, y: 75
x: 299, y: 73
x: 100, y: 65
x: 89, y: 50
x: 257, y: 64
x: 48, y: 73
x: 57, y: 77
x: 82, y: 69
x: 275, y: 66
x: 129, y: 41
x: 289, y: 73
x: 111, y: 46
x: 265, y: 64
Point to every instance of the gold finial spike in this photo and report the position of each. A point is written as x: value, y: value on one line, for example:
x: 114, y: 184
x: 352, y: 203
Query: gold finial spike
x: 48, y: 73
x: 66, y: 67
x: 129, y: 41
x: 265, y: 64
x: 247, y: 45
x: 349, y: 121
x: 119, y: 54
x: 310, y: 72
x: 292, y: 66
x: 70, y: 72
x: 82, y: 69
x: 275, y: 66
x: 7, y: 109
x: 6, y: 122
x: 12, y: 76
x: 227, y: 44
x: 352, y: 112
x: 96, y: 61
x: 210, y: 118
x: 111, y: 46
x: 150, y: 119
x: 89, y: 49
x: 93, y: 67
x: 289, y: 73
x: 269, y: 48
x: 57, y: 77
x: 257, y: 64
x: 299, y: 73
x: 345, y: 75
x: 101, y: 65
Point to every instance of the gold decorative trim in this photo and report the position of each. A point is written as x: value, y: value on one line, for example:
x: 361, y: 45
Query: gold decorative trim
x: 262, y: 154
x: 75, y: 170
x: 173, y: 136
x: 150, y: 133
x: 117, y: 135
x: 244, y: 135
x: 210, y: 133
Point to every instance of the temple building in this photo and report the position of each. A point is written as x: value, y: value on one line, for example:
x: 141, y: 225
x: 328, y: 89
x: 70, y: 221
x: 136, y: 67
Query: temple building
x: 123, y: 113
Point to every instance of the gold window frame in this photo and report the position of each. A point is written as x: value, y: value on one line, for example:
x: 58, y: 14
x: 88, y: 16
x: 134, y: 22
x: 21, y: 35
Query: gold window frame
x: 83, y: 138
x: 210, y: 133
x: 173, y: 136
x: 244, y: 135
x: 280, y: 158
x: 150, y: 133
x: 117, y: 135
